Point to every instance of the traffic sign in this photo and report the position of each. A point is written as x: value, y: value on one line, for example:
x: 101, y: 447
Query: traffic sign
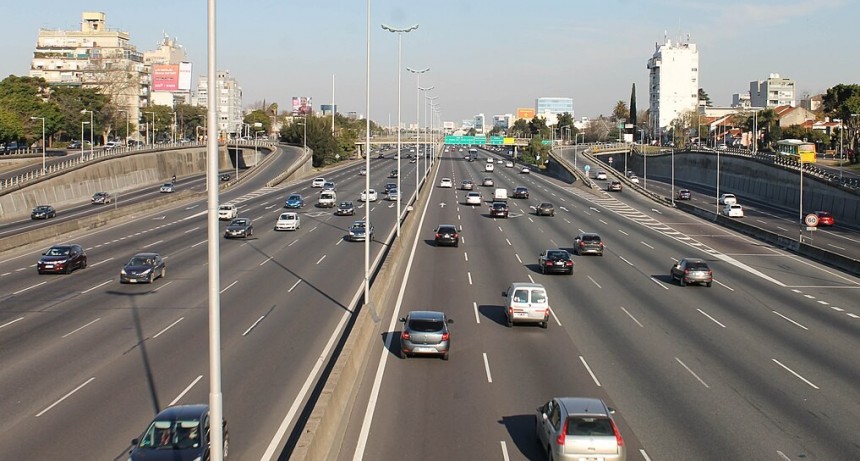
x: 587, y: 168
x: 610, y: 160
x: 811, y: 220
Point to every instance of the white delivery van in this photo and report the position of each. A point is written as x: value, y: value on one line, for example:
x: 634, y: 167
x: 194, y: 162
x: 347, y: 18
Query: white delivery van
x: 328, y: 199
x: 526, y: 303
x: 500, y: 195
x: 489, y: 167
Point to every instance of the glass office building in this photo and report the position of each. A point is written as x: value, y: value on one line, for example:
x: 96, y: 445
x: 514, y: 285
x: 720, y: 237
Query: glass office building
x: 554, y: 106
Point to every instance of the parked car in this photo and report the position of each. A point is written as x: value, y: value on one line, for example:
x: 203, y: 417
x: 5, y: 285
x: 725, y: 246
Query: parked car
x: 733, y: 211
x: 227, y: 212
x: 425, y: 332
x: 578, y: 428
x: 447, y: 234
x: 499, y: 209
x: 685, y: 194
x: 728, y: 199
x: 179, y: 432
x: 692, y: 270
x: 555, y: 260
x: 526, y: 303
x: 101, y: 198
x: 62, y: 259
x: 167, y: 188
x: 345, y: 208
x: 294, y: 201
x: 239, y: 227
x: 588, y: 243
x: 143, y: 267
x: 614, y: 186
x: 545, y: 209
x: 359, y: 232
x: 521, y: 192
x: 288, y: 221
x: 43, y: 212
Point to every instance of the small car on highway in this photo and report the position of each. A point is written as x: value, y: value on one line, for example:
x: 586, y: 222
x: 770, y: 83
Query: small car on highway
x: 634, y: 179
x: 684, y: 194
x: 447, y: 234
x: 578, y: 428
x: 227, y: 212
x: 446, y: 183
x: 555, y: 260
x: 474, y: 198
x: 179, y: 432
x: 425, y: 332
x: 614, y: 186
x: 392, y: 195
x: 692, y: 270
x: 545, y: 209
x: 239, y: 228
x: 167, y: 188
x: 101, y: 198
x: 224, y: 177
x: 318, y: 182
x: 824, y: 218
x: 62, y: 259
x: 358, y: 232
x: 393, y: 174
x: 368, y: 196
x: 362, y: 171
x: 509, y: 164
x: 329, y: 185
x: 733, y: 211
x: 294, y: 201
x: 521, y: 192
x: 43, y: 212
x: 467, y: 184
x: 327, y: 199
x: 488, y: 182
x: 288, y: 221
x: 142, y: 267
x: 728, y: 199
x: 499, y: 210
x: 345, y: 208
x: 601, y: 175
x: 489, y: 167
x: 525, y: 170
x: 588, y: 243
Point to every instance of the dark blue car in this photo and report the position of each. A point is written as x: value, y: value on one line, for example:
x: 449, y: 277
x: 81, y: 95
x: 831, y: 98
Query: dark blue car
x: 294, y: 201
x: 177, y: 433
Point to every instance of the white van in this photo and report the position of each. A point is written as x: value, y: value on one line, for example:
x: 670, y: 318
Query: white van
x: 500, y: 195
x: 526, y: 303
x: 489, y: 167
x: 328, y: 199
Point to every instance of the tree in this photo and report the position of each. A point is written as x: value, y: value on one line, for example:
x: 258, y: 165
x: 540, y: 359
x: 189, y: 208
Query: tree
x: 620, y: 112
x: 520, y: 129
x: 843, y: 102
x: 633, y: 115
x: 471, y: 132
x: 565, y: 120
x: 703, y: 96
x: 259, y: 116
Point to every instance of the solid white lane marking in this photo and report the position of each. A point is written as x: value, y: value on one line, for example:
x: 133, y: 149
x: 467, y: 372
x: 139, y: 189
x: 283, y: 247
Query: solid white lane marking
x: 588, y: 368
x: 11, y: 322
x: 294, y: 285
x: 531, y: 279
x: 782, y: 456
x: 692, y: 373
x: 192, y: 230
x: 631, y: 316
x: 80, y: 328
x: 477, y: 317
x: 835, y: 246
x: 293, y: 242
x: 594, y: 282
x: 198, y: 243
x: 97, y: 286
x: 557, y: 321
x: 712, y: 319
x: 649, y: 246
x: 469, y: 275
x: 65, y: 397
x: 504, y: 451
x: 168, y: 327
x: 795, y: 374
x: 644, y: 455
x: 162, y: 286
x: 790, y: 320
x: 487, y: 367
x: 320, y: 260
x: 229, y: 286
x: 29, y: 288
x: 100, y: 262
x: 659, y: 283
x: 253, y: 325
x: 182, y: 394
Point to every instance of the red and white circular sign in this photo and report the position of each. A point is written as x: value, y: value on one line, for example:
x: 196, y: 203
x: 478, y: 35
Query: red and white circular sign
x: 811, y: 220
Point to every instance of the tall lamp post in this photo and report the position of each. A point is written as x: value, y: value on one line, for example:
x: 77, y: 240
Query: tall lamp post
x: 399, y: 33
x: 418, y: 134
x: 92, y: 128
x: 304, y: 124
x: 576, y: 145
x: 82, y: 139
x: 645, y: 160
x: 127, y: 125
x: 44, y: 147
x: 417, y: 73
x: 426, y: 134
x: 152, y: 128
x: 256, y: 143
x: 367, y: 159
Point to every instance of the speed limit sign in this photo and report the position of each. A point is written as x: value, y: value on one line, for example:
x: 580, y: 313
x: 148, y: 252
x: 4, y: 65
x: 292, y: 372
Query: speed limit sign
x: 811, y: 220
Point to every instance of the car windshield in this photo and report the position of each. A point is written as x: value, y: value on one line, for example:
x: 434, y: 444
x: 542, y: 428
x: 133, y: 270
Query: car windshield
x: 172, y: 435
x: 358, y: 225
x: 589, y: 426
x: 58, y: 251
x: 538, y: 296
x: 225, y: 207
x: 425, y: 325
x: 167, y: 185
x: 546, y: 205
x: 239, y: 222
x: 499, y: 206
x: 295, y: 197
x: 447, y: 230
x: 345, y: 205
x: 140, y: 261
x: 288, y: 217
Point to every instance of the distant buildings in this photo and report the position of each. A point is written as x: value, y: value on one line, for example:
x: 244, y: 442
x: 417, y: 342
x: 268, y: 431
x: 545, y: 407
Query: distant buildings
x: 503, y: 122
x: 229, y: 102
x: 550, y: 108
x: 773, y: 92
x: 673, y: 84
x: 171, y: 73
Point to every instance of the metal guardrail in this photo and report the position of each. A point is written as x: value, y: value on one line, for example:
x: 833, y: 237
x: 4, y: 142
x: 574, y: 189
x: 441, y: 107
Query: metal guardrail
x: 37, y: 174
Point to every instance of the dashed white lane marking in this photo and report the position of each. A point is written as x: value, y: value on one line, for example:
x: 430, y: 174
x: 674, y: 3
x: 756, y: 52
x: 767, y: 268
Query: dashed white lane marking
x: 101, y: 262
x: 11, y: 322
x: 80, y: 328
x: 64, y: 397
x: 474, y: 305
x: 628, y: 262
x: 588, y: 368
x: 229, y: 286
x: 168, y: 327
x: 294, y: 285
x: 185, y: 391
x: 631, y: 316
x: 28, y: 288
x: 518, y: 258
x: 795, y: 374
x: 321, y: 259
x: 466, y: 255
x: 790, y: 320
x: 692, y: 373
x: 504, y: 451
x: 487, y: 367
x: 723, y: 285
x: 594, y: 282
x: 469, y: 275
x: 649, y: 246
x: 253, y: 325
x: 712, y: 319
x: 97, y: 286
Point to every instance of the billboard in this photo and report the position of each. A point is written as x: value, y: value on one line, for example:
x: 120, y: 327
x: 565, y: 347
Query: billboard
x: 526, y: 113
x: 302, y: 106
x: 171, y: 77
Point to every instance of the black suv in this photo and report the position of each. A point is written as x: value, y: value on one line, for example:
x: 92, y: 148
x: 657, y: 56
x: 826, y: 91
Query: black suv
x: 447, y: 234
x: 555, y: 260
x: 588, y: 243
x: 499, y: 210
x: 62, y: 259
x: 521, y: 192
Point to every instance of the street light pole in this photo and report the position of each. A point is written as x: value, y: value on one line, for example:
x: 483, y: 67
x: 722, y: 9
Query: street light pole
x: 426, y: 134
x: 576, y: 146
x: 151, y: 128
x: 399, y: 33
x: 82, y: 139
x: 44, y: 147
x: 418, y: 135
x: 367, y: 224
x: 645, y: 158
x: 92, y: 128
x: 417, y: 73
x: 256, y: 143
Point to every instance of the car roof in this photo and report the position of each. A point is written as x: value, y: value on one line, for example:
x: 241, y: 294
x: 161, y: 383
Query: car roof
x: 446, y: 225
x: 183, y: 411
x: 146, y: 255
x: 583, y: 406
x: 590, y: 234
x: 426, y: 315
x: 516, y: 285
x: 693, y: 260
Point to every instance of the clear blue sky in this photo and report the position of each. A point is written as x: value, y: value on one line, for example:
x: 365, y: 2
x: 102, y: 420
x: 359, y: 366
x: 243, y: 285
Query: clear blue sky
x: 485, y: 56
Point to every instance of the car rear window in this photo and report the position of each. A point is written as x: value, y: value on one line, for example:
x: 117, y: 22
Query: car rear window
x: 538, y: 296
x: 447, y: 230
x: 589, y: 426
x: 697, y: 266
x: 557, y: 255
x: 425, y: 325
x: 590, y: 238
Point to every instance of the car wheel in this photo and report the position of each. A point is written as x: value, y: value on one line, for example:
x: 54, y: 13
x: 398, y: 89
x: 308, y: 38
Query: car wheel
x: 601, y: 254
x: 510, y: 322
x: 457, y: 244
x: 544, y: 324
x: 708, y: 284
x: 403, y: 354
x: 68, y: 269
x: 163, y: 272
x: 682, y: 282
x: 40, y: 272
x: 445, y: 356
x: 542, y: 268
x: 84, y: 264
x: 151, y: 277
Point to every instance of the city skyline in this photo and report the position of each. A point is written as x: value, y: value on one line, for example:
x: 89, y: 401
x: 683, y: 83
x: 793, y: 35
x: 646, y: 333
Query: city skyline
x: 488, y: 57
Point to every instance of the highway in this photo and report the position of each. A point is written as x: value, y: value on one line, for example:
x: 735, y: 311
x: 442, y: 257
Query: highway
x: 760, y: 366
x: 88, y: 362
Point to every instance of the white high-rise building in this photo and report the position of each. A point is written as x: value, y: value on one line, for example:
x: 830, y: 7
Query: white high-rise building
x: 674, y: 83
x: 773, y: 92
x: 229, y: 95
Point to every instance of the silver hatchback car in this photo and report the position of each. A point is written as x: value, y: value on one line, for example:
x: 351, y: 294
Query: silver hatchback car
x: 425, y: 332
x: 578, y: 428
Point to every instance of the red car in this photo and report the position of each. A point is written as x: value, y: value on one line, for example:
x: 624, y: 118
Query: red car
x: 824, y: 218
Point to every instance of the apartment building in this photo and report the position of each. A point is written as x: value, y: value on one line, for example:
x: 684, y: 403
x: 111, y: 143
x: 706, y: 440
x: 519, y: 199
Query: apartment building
x: 673, y: 83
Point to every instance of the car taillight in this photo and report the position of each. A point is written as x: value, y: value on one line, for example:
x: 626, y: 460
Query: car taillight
x: 560, y: 439
x: 686, y: 271
x: 456, y: 235
x: 582, y: 243
x: 404, y: 335
x: 618, y: 438
x: 601, y: 244
x: 445, y: 336
x: 438, y: 235
x: 570, y: 263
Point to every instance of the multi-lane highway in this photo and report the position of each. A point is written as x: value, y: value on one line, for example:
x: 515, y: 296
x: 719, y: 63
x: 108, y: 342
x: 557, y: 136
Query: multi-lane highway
x: 759, y: 366
x: 88, y: 362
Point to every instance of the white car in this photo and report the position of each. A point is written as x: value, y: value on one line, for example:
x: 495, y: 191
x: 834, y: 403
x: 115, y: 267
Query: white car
x: 489, y: 167
x: 600, y: 175
x: 288, y: 221
x: 362, y: 172
x: 733, y: 211
x: 446, y: 182
x: 525, y: 170
x: 318, y: 182
x: 228, y: 212
x: 368, y: 196
x: 392, y: 195
x: 728, y: 199
x: 167, y: 188
x: 509, y: 164
x: 634, y: 179
x: 474, y: 198
x: 500, y: 161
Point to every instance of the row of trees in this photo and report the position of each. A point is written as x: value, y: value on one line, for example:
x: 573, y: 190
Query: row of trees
x: 328, y: 146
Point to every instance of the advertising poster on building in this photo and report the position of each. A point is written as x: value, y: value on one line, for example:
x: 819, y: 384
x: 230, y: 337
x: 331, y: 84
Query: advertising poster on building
x: 165, y: 77
x: 302, y: 106
x: 526, y: 113
x: 185, y: 76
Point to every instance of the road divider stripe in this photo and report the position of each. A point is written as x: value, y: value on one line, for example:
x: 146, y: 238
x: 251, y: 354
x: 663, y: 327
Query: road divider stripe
x: 228, y: 286
x: 11, y: 322
x: 692, y: 372
x: 253, y: 325
x: 97, y: 286
x: 185, y: 391
x: 790, y: 320
x: 29, y: 287
x: 80, y: 328
x: 711, y: 318
x: 168, y: 327
x: 65, y: 397
x: 795, y: 374
x: 487, y: 368
x: 631, y: 316
x: 588, y: 368
x: 477, y: 317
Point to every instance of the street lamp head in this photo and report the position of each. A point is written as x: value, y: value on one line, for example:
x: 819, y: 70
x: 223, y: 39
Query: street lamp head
x: 396, y: 30
x: 417, y: 71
